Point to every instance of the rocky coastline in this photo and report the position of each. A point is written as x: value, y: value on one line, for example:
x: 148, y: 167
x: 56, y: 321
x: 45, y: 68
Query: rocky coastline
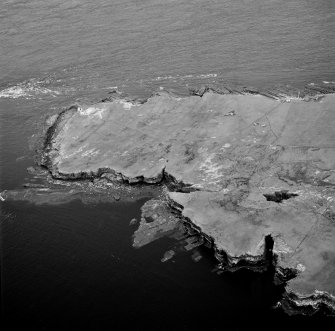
x: 251, y: 172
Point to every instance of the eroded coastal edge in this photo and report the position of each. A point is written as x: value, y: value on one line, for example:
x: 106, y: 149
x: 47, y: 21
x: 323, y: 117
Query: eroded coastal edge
x: 292, y: 302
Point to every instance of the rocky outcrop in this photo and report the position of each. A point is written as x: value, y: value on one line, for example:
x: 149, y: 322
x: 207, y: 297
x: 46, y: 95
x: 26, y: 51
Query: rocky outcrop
x: 310, y: 92
x: 53, y: 192
x: 156, y: 221
x: 253, y: 174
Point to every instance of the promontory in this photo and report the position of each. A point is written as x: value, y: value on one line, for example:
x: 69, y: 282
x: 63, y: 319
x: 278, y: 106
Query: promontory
x: 252, y: 174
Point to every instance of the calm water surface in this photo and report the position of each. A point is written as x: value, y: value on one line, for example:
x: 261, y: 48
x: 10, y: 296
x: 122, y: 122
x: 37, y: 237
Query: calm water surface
x: 72, y: 266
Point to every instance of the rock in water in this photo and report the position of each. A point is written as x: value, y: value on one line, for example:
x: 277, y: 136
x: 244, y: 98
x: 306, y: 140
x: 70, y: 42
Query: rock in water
x: 133, y: 221
x: 116, y: 197
x: 168, y: 255
x: 156, y: 222
x: 223, y: 171
x: 196, y: 256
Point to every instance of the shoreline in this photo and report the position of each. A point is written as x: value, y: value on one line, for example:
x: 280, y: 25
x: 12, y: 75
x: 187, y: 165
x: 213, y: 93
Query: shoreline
x: 33, y: 88
x: 197, y: 175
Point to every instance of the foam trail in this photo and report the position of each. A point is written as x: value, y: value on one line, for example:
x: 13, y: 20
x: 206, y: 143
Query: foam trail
x: 169, y: 77
x: 28, y: 89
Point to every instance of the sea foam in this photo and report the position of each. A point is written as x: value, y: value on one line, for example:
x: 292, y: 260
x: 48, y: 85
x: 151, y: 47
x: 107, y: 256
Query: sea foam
x: 28, y: 89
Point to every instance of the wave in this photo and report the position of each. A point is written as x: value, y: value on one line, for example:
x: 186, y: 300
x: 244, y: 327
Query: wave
x: 30, y: 89
x: 15, y: 92
x: 182, y: 77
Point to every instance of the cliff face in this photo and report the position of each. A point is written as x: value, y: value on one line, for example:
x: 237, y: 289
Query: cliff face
x: 240, y: 168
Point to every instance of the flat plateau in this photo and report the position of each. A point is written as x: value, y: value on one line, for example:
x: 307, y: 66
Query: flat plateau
x: 244, y: 168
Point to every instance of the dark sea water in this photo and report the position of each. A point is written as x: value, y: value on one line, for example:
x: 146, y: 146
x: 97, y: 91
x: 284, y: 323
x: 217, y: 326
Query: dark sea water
x: 72, y: 267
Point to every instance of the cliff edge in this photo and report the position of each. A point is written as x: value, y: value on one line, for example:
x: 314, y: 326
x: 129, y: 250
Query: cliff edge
x: 243, y: 169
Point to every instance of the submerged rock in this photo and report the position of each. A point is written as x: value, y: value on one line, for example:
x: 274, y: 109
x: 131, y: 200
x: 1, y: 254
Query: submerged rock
x: 116, y: 197
x: 196, y: 256
x: 252, y: 190
x: 133, y: 221
x: 33, y: 185
x: 37, y: 171
x: 193, y: 242
x: 168, y: 255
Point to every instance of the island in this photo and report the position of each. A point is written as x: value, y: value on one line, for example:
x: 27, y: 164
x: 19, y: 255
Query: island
x: 252, y: 173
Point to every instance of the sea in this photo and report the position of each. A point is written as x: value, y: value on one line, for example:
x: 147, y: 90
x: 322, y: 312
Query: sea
x: 72, y: 266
